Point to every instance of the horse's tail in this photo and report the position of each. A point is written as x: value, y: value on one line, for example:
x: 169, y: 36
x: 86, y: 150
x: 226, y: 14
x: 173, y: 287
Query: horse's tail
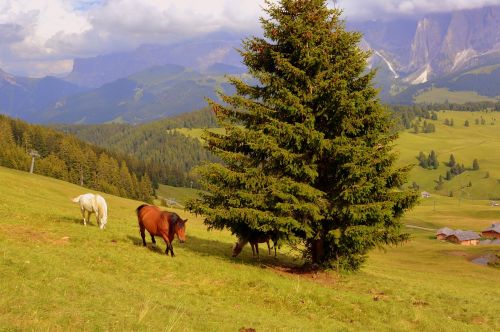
x: 140, y: 208
x: 76, y: 199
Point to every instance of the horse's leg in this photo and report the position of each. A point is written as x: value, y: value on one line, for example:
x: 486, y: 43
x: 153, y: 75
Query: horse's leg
x: 153, y: 239
x: 82, y: 210
x: 169, y: 245
x: 268, y: 247
x: 257, y: 249
x: 274, y: 245
x: 143, y: 233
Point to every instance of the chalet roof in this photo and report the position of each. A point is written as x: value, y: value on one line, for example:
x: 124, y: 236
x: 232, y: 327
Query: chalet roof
x: 445, y: 230
x: 465, y: 235
x: 494, y: 227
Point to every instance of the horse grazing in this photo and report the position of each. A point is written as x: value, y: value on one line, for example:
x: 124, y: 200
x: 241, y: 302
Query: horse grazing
x: 90, y: 203
x: 161, y: 223
x: 254, y: 243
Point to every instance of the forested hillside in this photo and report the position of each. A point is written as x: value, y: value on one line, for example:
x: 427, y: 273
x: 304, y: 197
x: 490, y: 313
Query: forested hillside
x: 170, y: 155
x: 64, y: 157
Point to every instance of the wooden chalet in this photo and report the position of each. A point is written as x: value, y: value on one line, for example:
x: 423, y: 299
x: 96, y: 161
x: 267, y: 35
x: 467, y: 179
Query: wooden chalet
x: 493, y: 231
x: 465, y: 238
x: 442, y: 233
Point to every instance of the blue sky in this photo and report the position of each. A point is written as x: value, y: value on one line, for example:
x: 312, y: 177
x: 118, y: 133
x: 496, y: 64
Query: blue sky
x: 83, y: 5
x: 40, y: 37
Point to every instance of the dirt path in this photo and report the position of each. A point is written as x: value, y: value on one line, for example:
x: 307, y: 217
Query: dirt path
x: 423, y: 228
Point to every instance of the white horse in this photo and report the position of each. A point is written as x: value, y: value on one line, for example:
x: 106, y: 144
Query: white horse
x: 91, y: 203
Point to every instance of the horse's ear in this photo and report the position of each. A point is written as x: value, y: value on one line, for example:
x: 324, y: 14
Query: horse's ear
x: 185, y: 221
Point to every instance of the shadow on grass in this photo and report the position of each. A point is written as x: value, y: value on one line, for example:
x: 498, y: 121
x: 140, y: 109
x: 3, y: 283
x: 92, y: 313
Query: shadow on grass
x: 137, y: 241
x: 223, y: 250
x: 74, y: 221
x: 283, y: 263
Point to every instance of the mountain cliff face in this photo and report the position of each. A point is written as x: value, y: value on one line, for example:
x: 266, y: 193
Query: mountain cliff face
x: 444, y: 44
x: 471, y: 34
x: 426, y: 43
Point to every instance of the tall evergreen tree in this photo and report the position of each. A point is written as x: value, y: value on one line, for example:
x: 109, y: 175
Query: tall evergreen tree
x: 475, y: 164
x: 452, y: 161
x: 433, y: 161
x: 308, y: 150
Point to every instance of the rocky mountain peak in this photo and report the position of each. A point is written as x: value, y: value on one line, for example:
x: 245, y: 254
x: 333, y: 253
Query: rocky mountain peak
x: 451, y: 42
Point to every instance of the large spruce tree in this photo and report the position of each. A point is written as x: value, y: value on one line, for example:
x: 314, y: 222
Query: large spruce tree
x: 307, y: 150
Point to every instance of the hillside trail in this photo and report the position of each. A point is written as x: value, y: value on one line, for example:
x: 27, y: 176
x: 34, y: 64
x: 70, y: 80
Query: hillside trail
x: 422, y: 228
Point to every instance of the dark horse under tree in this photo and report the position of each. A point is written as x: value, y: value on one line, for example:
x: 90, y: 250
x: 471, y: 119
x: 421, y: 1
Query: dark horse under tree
x: 161, y: 223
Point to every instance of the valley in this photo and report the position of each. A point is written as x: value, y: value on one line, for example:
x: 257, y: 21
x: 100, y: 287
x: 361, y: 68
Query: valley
x: 356, y: 142
x: 67, y: 275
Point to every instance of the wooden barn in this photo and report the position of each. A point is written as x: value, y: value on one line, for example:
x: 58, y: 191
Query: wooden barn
x: 442, y: 233
x: 465, y: 238
x: 492, y: 232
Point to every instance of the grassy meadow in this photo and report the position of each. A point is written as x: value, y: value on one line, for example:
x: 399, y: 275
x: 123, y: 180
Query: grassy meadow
x: 179, y: 194
x: 58, y: 275
x: 477, y: 141
x: 441, y: 95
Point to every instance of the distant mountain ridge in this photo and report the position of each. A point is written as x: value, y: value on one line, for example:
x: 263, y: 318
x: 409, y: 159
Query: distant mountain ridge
x: 150, y: 94
x: 24, y: 97
x: 199, y: 54
x: 457, y: 51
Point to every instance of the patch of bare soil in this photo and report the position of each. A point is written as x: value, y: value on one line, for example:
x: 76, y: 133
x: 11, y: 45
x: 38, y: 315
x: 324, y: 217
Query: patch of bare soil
x: 328, y: 279
x: 26, y: 234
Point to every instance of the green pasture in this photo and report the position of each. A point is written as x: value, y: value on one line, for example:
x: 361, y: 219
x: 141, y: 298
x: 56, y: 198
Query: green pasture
x: 197, y: 132
x: 58, y: 275
x: 179, y: 194
x: 441, y: 95
x: 481, y: 142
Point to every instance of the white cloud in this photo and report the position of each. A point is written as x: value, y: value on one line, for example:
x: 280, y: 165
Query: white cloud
x: 59, y: 30
x: 380, y: 9
x: 47, y: 34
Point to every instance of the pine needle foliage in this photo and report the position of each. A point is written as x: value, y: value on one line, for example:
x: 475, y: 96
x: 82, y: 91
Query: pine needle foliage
x: 307, y: 151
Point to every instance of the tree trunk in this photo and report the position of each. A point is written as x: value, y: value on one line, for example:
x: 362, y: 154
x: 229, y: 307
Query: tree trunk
x: 318, y: 250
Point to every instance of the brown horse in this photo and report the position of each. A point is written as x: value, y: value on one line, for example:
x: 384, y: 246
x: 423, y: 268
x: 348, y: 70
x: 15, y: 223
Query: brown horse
x: 254, y: 243
x: 161, y: 223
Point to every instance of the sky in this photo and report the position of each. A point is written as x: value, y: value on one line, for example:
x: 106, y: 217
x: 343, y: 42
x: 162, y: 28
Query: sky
x: 42, y: 37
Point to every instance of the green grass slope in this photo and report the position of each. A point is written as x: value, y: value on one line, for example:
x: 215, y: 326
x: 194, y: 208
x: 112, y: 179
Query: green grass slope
x: 479, y: 142
x: 441, y: 95
x: 56, y: 274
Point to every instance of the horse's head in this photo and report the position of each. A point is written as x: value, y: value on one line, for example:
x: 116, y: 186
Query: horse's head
x: 180, y: 229
x: 238, y: 247
x: 104, y: 221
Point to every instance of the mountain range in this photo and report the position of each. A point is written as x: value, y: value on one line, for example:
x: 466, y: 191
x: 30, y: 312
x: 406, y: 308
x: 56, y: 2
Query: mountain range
x: 444, y: 50
x: 153, y: 93
x: 455, y: 51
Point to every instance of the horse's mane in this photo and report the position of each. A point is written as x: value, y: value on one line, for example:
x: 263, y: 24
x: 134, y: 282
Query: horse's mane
x: 140, y: 208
